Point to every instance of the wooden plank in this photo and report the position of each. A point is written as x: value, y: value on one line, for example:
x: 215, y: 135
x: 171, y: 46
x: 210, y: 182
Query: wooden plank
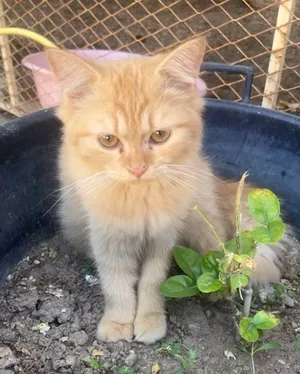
x: 277, y: 58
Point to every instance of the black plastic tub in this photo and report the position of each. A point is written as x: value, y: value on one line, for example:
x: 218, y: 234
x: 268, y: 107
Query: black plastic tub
x: 238, y: 137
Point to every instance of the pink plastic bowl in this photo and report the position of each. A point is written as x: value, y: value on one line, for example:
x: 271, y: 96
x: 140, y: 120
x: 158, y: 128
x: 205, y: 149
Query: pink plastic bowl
x: 46, y: 84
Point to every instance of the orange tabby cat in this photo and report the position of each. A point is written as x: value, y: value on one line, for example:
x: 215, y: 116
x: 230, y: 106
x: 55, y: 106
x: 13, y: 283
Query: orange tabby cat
x: 131, y: 170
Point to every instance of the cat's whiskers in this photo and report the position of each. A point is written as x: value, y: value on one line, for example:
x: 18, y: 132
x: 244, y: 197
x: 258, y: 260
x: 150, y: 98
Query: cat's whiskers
x: 183, y: 185
x: 190, y: 185
x: 203, y: 179
x: 68, y: 186
x: 72, y: 187
x: 193, y: 175
x: 196, y: 170
x: 94, y: 186
x: 97, y: 187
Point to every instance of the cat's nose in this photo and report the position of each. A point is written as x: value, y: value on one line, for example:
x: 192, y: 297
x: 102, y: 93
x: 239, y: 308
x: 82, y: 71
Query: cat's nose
x: 138, y: 170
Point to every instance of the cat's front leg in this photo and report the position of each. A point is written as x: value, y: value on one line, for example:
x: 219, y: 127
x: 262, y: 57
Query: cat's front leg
x: 117, y: 269
x: 150, y: 323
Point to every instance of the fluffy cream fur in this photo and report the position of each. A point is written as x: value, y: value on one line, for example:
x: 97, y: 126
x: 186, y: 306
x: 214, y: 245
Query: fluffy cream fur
x: 132, y: 223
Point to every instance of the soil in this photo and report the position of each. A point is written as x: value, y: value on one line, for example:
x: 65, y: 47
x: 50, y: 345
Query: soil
x: 54, y: 285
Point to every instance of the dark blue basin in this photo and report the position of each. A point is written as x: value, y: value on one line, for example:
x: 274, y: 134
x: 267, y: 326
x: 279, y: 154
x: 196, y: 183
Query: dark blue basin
x: 238, y: 137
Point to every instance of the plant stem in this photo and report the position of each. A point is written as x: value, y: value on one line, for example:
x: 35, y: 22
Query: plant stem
x: 248, y: 298
x: 221, y: 244
x: 237, y: 211
x: 235, y: 316
x: 252, y: 359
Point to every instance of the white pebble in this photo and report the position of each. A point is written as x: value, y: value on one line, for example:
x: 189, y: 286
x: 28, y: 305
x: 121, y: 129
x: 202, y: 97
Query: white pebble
x: 281, y: 362
x: 91, y: 279
x: 36, y: 262
x: 229, y: 354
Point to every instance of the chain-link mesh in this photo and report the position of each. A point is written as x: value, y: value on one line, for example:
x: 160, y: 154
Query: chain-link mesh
x: 240, y: 32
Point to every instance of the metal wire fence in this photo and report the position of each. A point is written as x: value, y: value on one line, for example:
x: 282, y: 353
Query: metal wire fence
x: 263, y: 34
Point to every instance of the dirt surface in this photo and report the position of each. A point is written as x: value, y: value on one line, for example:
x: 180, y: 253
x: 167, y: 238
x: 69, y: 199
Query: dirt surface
x: 52, y: 286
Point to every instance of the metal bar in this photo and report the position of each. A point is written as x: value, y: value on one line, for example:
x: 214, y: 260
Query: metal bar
x: 233, y: 69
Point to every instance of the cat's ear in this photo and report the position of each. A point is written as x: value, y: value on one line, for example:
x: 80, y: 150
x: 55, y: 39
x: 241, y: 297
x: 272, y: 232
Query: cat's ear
x: 74, y: 74
x: 183, y: 63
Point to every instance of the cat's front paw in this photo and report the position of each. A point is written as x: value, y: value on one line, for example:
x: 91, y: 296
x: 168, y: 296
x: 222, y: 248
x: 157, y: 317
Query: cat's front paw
x: 150, y: 328
x: 112, y: 331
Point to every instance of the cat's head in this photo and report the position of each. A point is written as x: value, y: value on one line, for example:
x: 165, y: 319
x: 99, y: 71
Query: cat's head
x: 131, y: 118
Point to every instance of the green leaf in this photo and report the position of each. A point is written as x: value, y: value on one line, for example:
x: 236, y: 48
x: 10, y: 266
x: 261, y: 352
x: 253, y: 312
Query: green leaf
x: 169, y: 346
x: 268, y: 347
x: 263, y: 320
x: 238, y: 280
x: 263, y: 205
x: 270, y: 234
x: 247, y: 330
x: 189, y: 361
x: 192, y: 354
x: 279, y: 289
x: 276, y: 230
x: 246, y: 271
x: 298, y: 343
x: 241, y: 258
x: 179, y: 286
x: 209, y: 262
x: 189, y: 261
x: 291, y: 293
x: 105, y: 365
x: 92, y: 362
x: 126, y: 370
x: 208, y: 282
x: 218, y: 295
x: 247, y: 244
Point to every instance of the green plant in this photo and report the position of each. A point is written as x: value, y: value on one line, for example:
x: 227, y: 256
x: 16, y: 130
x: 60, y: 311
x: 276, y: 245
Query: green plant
x: 227, y: 272
x: 126, y: 370
x: 95, y: 363
x: 188, y: 359
x: 252, y: 328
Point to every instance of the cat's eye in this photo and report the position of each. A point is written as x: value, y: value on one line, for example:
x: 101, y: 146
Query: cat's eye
x: 108, y: 141
x: 160, y: 136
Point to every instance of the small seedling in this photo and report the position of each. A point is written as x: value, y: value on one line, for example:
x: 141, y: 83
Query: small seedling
x: 42, y: 328
x: 226, y: 272
x: 298, y: 343
x: 170, y: 347
x: 126, y: 370
x: 252, y: 328
x: 95, y: 364
x: 187, y: 358
x: 279, y: 289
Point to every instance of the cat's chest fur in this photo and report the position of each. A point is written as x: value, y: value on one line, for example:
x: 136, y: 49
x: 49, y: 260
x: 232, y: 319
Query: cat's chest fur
x: 146, y: 207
